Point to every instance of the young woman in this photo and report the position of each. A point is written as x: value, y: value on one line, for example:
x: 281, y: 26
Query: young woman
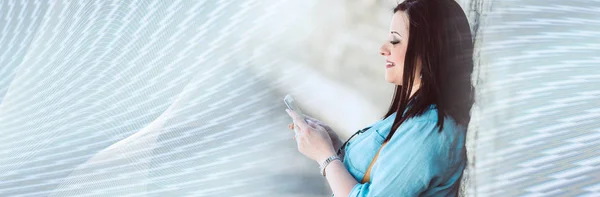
x: 418, y: 148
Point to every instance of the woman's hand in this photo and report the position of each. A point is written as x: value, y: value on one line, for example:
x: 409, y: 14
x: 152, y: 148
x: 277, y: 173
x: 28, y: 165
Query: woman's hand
x: 312, y: 139
x: 335, y: 139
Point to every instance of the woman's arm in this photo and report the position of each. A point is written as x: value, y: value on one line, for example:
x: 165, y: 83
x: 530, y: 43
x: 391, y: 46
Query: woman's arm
x: 339, y: 179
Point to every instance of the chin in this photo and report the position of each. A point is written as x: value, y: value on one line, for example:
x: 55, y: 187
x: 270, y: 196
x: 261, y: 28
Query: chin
x: 393, y: 82
x: 391, y: 79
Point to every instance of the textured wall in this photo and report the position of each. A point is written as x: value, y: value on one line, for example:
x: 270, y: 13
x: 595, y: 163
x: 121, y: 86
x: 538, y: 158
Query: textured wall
x: 538, y: 128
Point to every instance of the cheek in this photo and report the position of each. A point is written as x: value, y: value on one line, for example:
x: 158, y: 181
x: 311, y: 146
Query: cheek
x: 394, y: 74
x: 398, y: 55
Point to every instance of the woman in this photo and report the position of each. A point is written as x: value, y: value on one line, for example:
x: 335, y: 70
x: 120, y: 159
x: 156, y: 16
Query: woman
x: 421, y: 152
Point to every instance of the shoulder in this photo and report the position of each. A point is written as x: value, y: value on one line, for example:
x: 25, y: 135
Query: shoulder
x: 445, y: 146
x: 429, y: 119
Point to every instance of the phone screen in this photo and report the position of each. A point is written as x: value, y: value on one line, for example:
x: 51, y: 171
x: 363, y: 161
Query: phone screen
x: 292, y: 105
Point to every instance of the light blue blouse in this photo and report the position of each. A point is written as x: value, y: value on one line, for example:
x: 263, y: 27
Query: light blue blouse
x: 417, y: 161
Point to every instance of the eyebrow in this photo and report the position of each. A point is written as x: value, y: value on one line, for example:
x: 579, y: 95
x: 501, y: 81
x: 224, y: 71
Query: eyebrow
x: 397, y: 33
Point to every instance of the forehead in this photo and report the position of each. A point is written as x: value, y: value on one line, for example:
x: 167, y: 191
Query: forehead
x: 399, y: 22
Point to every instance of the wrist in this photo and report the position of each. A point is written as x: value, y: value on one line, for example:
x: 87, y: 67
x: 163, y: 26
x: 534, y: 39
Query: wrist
x: 323, y: 166
x: 325, y: 156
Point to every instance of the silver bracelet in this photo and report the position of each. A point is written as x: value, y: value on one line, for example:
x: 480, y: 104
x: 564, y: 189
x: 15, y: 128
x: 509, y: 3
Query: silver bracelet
x: 326, y: 162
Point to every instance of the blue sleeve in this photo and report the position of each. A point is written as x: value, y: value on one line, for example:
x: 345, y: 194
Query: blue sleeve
x: 406, y: 164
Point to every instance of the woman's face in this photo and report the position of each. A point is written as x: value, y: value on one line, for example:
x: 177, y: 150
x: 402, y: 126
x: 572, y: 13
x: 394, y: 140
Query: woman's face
x: 394, y: 49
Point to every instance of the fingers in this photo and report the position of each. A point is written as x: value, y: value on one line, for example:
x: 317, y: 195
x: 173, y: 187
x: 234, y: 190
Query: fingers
x: 308, y: 118
x: 311, y: 121
x: 312, y: 124
x: 298, y: 119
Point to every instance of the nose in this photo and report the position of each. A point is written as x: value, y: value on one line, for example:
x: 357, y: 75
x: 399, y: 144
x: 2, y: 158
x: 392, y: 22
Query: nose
x: 384, y: 51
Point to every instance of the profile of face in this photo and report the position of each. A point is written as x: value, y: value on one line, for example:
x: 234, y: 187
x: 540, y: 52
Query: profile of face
x: 394, y: 49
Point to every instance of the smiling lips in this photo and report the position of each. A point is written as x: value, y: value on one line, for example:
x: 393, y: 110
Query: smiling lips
x: 389, y: 64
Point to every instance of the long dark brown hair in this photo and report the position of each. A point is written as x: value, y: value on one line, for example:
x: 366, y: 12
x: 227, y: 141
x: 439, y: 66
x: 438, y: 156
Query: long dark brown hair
x: 440, y: 39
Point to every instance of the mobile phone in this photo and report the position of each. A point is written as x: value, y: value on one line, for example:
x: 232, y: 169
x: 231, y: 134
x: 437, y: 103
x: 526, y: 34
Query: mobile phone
x: 292, y: 105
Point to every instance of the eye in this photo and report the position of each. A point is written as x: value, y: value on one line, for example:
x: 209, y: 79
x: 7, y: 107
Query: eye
x: 394, y: 42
